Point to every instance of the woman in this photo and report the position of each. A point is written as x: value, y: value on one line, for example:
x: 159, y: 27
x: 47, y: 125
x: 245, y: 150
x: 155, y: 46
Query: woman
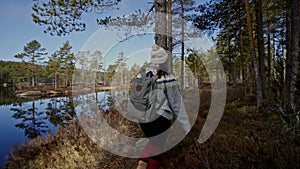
x: 167, y: 82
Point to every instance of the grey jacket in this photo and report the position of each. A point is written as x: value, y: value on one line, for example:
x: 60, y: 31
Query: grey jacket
x: 174, y: 103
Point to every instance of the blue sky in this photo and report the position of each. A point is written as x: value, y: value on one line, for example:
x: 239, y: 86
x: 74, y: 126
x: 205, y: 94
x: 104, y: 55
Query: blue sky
x: 17, y: 29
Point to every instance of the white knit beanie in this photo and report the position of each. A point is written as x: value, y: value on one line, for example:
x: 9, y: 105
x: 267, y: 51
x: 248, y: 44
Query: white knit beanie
x: 158, y: 55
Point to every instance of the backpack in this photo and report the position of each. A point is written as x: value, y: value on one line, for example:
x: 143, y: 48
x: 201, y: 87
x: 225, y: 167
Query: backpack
x: 143, y: 102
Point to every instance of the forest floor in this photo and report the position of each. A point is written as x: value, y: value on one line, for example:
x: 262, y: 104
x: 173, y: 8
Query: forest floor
x: 246, y: 138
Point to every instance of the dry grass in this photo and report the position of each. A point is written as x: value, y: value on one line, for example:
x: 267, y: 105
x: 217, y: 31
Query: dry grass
x: 245, y: 138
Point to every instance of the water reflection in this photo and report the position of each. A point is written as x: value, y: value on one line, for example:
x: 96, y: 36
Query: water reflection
x: 60, y: 110
x: 35, y: 116
x: 7, y: 96
x: 93, y: 102
x: 33, y: 120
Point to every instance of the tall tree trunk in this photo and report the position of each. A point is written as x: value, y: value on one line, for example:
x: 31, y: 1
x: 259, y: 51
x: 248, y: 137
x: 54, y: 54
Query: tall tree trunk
x: 161, y: 33
x: 281, y: 64
x: 243, y: 64
x: 182, y: 44
x: 269, y: 77
x: 170, y: 34
x: 260, y: 45
x: 243, y: 58
x: 269, y: 54
x: 67, y: 75
x: 231, y: 60
x: 293, y: 54
x: 234, y: 73
x: 160, y: 23
x: 55, y: 81
x: 259, y: 97
x: 298, y: 70
x: 32, y: 70
x: 289, y: 63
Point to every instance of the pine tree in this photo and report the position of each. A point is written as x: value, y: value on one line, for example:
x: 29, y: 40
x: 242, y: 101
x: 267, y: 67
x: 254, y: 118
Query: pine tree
x: 66, y: 58
x: 63, y: 17
x: 53, y: 68
x: 33, y: 54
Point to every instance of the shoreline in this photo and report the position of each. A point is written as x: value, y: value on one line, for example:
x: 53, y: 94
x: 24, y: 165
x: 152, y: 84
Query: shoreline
x: 50, y: 91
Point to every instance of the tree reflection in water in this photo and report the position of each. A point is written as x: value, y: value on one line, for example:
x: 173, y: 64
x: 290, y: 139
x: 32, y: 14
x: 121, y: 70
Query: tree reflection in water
x: 35, y: 118
x: 60, y: 110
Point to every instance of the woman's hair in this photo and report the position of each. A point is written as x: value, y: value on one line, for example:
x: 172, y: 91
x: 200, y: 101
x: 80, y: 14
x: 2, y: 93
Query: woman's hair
x: 161, y: 73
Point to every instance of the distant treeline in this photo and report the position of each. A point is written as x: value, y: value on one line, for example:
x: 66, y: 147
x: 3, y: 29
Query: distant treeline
x: 15, y: 72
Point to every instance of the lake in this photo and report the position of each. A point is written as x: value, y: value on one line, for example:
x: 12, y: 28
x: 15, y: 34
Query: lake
x: 25, y: 118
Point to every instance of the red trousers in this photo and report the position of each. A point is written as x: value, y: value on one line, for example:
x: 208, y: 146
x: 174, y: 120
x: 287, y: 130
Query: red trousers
x: 152, y: 150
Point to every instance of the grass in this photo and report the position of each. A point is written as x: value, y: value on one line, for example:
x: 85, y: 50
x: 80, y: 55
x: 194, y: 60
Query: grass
x: 246, y: 137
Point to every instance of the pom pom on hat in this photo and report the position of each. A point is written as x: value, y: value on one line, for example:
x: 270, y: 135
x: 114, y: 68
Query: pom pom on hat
x: 158, y: 55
